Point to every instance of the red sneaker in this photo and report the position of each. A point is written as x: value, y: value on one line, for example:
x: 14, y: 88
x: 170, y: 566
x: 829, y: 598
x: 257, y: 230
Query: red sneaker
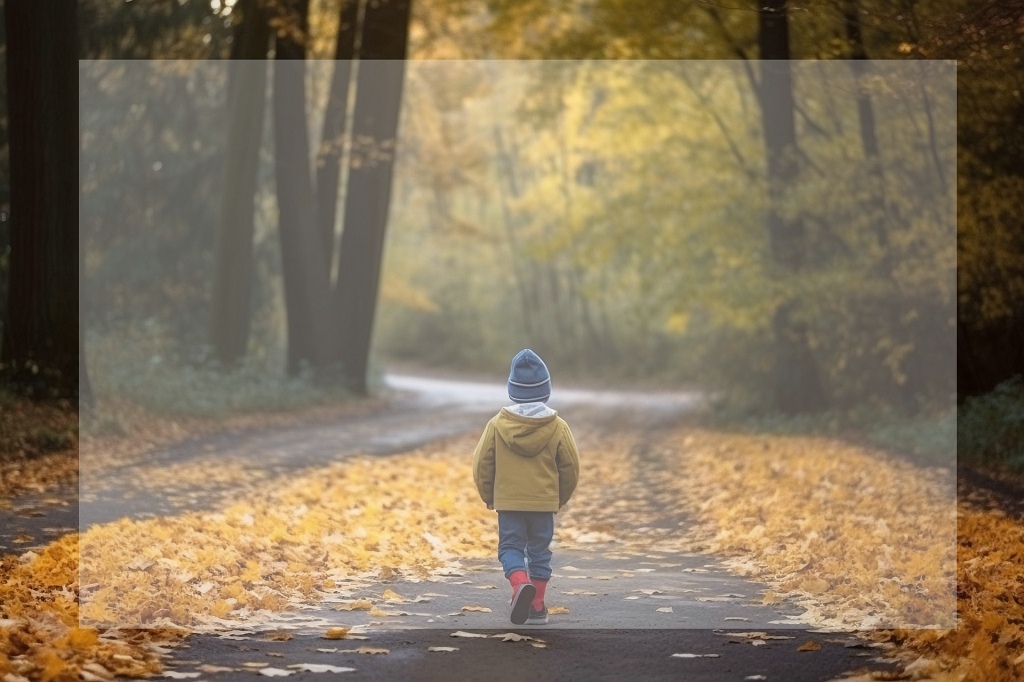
x: 523, y: 593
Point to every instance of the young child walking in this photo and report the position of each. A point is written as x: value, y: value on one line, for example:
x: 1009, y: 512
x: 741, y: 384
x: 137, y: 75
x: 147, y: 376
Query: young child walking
x: 526, y: 467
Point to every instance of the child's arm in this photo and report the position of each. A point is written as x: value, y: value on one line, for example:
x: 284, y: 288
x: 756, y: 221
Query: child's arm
x: 567, y: 459
x: 483, y: 466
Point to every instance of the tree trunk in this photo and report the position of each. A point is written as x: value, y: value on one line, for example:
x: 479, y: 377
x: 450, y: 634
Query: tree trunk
x: 41, y: 339
x: 303, y: 261
x: 328, y: 160
x: 86, y: 399
x: 379, y: 83
x: 866, y: 121
x: 795, y: 384
x: 231, y: 310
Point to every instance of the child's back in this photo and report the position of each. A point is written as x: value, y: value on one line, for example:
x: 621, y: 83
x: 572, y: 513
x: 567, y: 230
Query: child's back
x: 526, y: 467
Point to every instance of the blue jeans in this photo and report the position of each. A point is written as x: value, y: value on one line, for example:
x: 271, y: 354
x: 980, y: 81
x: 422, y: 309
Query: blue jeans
x: 526, y: 536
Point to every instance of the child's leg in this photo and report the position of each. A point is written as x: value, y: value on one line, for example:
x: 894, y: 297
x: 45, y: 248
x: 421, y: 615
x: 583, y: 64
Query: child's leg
x: 512, y: 539
x: 540, y: 529
x: 538, y: 550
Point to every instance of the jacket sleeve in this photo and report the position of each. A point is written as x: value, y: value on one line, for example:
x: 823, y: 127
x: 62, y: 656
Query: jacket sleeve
x: 483, y: 465
x: 568, y: 461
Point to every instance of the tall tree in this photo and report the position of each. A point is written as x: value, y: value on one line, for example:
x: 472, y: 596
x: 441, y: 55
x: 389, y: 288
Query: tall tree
x: 231, y: 307
x: 381, y: 72
x: 796, y: 385
x: 329, y: 156
x: 304, y: 262
x: 866, y: 119
x: 41, y: 340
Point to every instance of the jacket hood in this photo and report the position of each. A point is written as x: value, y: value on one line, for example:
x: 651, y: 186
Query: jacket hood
x: 527, y: 428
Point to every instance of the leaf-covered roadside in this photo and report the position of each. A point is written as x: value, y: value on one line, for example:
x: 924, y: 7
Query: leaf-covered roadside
x: 988, y: 642
x: 39, y: 634
x: 38, y: 445
x: 787, y: 509
x: 857, y: 539
x: 283, y: 545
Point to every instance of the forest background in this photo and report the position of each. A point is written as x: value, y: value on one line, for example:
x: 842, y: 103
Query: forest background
x: 562, y: 234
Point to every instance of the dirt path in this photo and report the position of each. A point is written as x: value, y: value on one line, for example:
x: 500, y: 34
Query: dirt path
x: 626, y: 614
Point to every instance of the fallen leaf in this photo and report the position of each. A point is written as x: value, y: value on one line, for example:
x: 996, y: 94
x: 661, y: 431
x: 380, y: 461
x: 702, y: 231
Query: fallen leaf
x: 175, y: 675
x: 364, y: 650
x: 477, y: 608
x: 538, y: 645
x: 275, y: 672
x: 650, y: 592
x: 516, y: 637
x: 443, y: 649
x: 319, y: 668
x: 335, y: 633
x: 462, y: 633
x: 754, y: 635
x: 357, y: 605
x: 277, y: 636
x: 664, y: 609
x: 558, y: 610
x: 759, y: 642
x: 208, y: 668
x: 391, y: 595
x: 809, y: 645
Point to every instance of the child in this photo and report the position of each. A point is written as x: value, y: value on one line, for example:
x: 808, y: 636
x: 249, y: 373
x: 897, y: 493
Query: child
x: 526, y: 467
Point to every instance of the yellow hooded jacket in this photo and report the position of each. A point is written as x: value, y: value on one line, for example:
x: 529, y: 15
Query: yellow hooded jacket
x: 526, y: 460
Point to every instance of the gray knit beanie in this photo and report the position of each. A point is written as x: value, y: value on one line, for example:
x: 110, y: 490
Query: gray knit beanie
x: 529, y: 380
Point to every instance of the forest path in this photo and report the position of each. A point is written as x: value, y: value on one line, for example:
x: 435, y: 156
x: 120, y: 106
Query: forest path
x: 627, y: 614
x: 185, y: 475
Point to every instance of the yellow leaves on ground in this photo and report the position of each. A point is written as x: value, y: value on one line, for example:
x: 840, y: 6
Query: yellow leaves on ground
x: 856, y: 538
x: 39, y: 634
x: 284, y: 545
x: 988, y: 643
